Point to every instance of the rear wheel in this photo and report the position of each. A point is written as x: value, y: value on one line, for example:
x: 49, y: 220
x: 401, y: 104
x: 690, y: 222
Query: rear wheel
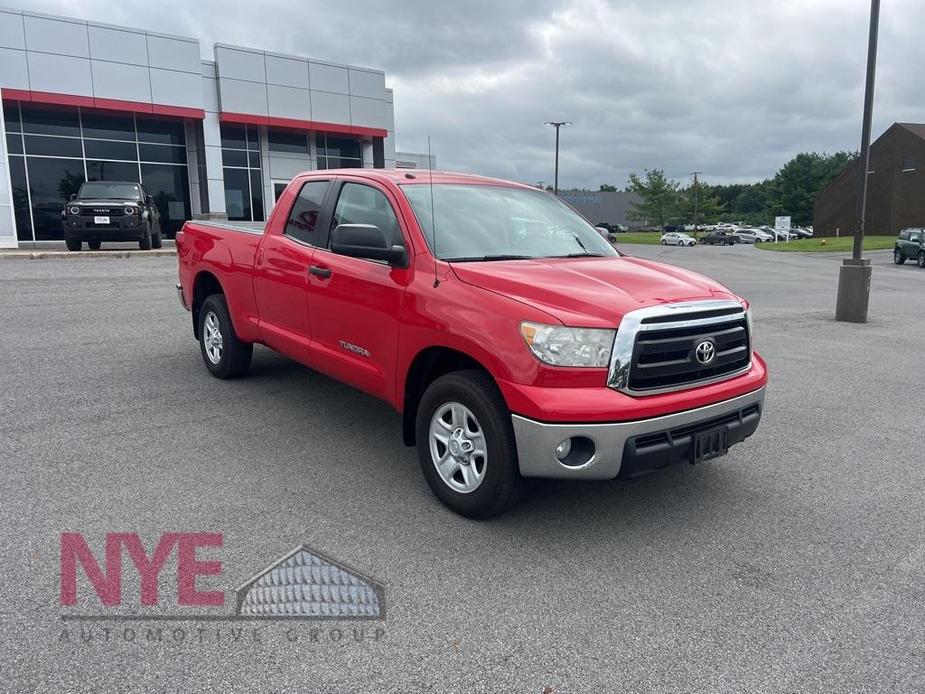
x: 224, y: 354
x: 898, y: 257
x: 73, y: 244
x: 466, y: 446
x: 921, y: 259
x: 94, y: 245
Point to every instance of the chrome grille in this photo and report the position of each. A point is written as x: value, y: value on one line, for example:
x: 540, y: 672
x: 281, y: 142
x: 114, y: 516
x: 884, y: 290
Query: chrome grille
x: 656, y: 348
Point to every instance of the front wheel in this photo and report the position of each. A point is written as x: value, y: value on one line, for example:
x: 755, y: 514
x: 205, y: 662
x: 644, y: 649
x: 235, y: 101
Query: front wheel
x: 664, y: 242
x: 898, y: 257
x: 73, y: 244
x: 95, y: 245
x: 921, y: 259
x: 224, y: 354
x: 156, y: 239
x: 145, y: 242
x: 466, y: 446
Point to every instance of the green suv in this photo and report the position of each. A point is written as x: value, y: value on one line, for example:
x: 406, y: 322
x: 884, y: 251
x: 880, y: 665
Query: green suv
x: 910, y: 246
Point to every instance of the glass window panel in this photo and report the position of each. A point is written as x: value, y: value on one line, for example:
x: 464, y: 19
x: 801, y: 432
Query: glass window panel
x: 108, y: 127
x: 20, y: 198
x: 11, y: 116
x: 287, y: 141
x: 237, y: 194
x: 52, y: 182
x: 233, y: 136
x: 162, y: 153
x: 53, y: 146
x: 253, y: 159
x: 360, y: 204
x: 339, y: 163
x: 107, y: 149
x: 319, y: 143
x: 343, y: 147
x: 50, y: 121
x: 252, y: 141
x: 234, y: 157
x: 112, y: 171
x: 303, y: 219
x: 257, y: 196
x: 14, y: 143
x: 170, y: 187
x: 161, y: 131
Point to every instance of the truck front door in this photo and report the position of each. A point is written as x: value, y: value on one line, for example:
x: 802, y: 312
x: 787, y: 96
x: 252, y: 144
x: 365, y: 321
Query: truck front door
x: 354, y: 304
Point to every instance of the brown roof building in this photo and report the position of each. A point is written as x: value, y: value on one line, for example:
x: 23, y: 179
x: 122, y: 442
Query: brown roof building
x: 895, y: 187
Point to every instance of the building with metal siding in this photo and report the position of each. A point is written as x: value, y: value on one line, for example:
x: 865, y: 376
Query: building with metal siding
x: 895, y: 187
x: 602, y: 206
x: 215, y: 138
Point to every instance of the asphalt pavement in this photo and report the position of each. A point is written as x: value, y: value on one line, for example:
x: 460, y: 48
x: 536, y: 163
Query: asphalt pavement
x: 794, y: 564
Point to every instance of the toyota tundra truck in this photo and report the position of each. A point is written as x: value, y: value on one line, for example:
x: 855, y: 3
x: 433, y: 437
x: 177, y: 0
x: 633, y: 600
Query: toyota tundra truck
x: 513, y: 339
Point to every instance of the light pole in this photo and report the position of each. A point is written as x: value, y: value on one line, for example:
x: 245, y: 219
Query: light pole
x: 696, y: 198
x: 854, y: 275
x: 557, y: 125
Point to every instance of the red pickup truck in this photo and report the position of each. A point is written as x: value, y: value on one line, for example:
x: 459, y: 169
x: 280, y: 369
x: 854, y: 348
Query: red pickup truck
x: 514, y: 340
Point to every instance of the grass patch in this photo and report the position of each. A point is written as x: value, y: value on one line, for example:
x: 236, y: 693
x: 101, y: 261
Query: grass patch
x: 651, y: 237
x: 842, y: 244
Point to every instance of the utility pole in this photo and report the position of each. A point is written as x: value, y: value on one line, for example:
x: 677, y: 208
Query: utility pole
x: 854, y: 275
x: 557, y: 125
x: 696, y: 198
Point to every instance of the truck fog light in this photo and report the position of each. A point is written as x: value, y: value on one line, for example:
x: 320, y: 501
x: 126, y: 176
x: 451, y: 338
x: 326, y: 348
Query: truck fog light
x: 575, y: 451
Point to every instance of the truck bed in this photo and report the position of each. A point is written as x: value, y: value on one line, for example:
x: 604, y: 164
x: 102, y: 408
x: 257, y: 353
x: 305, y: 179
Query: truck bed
x: 243, y: 227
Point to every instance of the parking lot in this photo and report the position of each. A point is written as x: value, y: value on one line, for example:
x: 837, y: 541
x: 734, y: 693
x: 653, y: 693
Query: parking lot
x: 795, y: 564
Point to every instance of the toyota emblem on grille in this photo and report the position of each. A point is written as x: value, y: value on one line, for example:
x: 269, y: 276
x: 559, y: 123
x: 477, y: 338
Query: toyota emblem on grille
x: 705, y: 352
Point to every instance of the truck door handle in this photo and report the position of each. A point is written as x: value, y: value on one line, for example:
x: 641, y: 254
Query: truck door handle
x: 319, y: 271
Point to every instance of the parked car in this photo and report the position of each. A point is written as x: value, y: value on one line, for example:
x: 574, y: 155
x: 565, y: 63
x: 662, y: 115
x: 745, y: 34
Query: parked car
x: 678, y: 239
x: 111, y: 211
x: 800, y: 233
x: 778, y: 234
x: 613, y: 228
x: 673, y: 229
x: 910, y: 246
x: 752, y: 236
x: 720, y: 237
x: 598, y: 366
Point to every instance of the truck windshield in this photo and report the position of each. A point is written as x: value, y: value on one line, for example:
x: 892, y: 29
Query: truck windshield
x: 107, y: 190
x: 485, y: 222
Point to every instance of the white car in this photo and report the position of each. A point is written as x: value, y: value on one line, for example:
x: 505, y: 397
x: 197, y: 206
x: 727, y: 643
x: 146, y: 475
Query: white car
x: 752, y: 236
x: 675, y: 238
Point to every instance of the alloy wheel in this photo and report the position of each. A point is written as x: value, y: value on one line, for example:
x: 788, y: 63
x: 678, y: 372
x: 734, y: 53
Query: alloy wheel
x: 458, y: 447
x: 212, y: 337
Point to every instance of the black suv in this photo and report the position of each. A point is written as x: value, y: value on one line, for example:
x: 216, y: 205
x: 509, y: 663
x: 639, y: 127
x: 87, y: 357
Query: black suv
x: 111, y: 211
x: 910, y: 246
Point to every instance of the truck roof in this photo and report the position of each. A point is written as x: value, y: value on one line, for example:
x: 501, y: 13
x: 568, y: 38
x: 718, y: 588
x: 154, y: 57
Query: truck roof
x: 406, y: 176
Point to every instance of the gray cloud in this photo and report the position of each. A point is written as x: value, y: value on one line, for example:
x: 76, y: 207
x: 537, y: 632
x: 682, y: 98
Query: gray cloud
x: 733, y: 88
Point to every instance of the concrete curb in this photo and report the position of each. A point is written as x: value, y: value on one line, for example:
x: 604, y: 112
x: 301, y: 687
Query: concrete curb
x: 77, y: 255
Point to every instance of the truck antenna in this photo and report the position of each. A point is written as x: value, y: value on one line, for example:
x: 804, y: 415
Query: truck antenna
x: 433, y: 215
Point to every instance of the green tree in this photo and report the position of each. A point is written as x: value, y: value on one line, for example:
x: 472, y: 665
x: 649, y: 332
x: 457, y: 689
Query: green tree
x: 607, y: 188
x: 703, y: 201
x: 659, y: 198
x: 797, y: 185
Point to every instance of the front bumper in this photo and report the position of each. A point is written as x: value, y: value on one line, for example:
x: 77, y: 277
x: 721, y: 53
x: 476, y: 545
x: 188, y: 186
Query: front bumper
x: 127, y: 228
x: 630, y: 449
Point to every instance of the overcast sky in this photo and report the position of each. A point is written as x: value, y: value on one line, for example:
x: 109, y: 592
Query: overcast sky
x: 732, y: 88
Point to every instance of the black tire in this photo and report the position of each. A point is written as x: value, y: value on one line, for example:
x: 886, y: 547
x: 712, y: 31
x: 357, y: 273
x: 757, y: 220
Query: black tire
x: 664, y: 242
x: 94, y: 245
x: 73, y: 244
x: 145, y: 242
x: 156, y: 240
x: 898, y: 256
x: 235, y: 355
x: 921, y: 259
x: 502, y: 485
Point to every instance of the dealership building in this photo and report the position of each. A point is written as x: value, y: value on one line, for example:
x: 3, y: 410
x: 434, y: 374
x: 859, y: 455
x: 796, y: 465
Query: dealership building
x: 213, y: 138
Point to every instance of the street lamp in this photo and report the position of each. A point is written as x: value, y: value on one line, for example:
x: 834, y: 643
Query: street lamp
x: 854, y: 275
x: 557, y: 125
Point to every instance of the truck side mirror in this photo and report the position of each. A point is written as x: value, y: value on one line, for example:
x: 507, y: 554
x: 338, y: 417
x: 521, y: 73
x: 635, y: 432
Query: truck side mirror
x: 73, y: 196
x: 365, y: 241
x: 149, y: 199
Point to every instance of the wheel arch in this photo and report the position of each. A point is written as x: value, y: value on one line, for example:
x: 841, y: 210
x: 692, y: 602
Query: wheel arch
x: 428, y: 365
x: 204, y: 284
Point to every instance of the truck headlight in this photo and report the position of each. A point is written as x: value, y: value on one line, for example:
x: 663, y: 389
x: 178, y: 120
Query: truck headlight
x: 130, y: 210
x: 562, y: 346
x: 74, y: 210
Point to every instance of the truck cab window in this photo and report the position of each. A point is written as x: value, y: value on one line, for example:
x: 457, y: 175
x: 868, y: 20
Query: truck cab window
x: 303, y: 218
x: 361, y: 204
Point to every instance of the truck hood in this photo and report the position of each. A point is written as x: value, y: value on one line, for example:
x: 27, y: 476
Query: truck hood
x: 590, y: 292
x: 110, y: 202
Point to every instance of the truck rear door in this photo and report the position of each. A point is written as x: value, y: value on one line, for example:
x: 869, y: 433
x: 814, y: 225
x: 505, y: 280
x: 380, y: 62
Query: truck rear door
x: 354, y: 304
x: 282, y: 265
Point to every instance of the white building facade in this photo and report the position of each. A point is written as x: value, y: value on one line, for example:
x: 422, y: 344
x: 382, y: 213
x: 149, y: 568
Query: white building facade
x: 208, y: 138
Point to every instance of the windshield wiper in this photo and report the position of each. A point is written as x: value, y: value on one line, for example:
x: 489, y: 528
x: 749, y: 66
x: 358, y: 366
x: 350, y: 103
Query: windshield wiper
x: 478, y: 258
x: 578, y: 255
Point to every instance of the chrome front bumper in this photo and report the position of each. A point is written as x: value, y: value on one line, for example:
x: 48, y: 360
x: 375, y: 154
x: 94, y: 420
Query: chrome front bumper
x: 537, y: 442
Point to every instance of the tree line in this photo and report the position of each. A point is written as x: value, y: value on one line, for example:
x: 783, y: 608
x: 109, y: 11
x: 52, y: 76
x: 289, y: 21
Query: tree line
x: 792, y: 192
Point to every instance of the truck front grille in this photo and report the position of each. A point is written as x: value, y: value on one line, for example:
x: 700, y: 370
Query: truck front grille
x: 678, y: 346
x: 100, y: 211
